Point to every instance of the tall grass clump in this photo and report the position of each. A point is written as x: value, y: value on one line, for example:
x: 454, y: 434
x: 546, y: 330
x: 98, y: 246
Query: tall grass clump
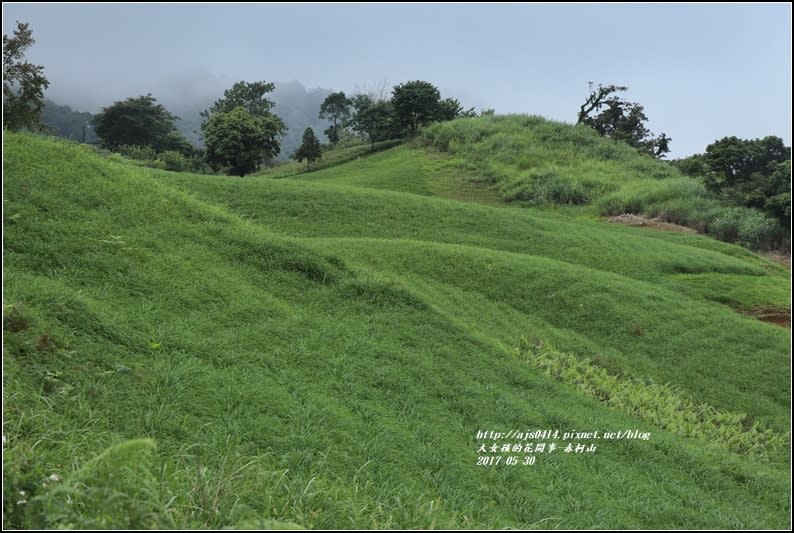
x: 540, y: 162
x: 745, y: 226
x: 640, y: 196
x: 685, y: 201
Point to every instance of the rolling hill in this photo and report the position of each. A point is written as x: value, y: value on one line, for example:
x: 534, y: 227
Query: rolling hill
x: 330, y: 350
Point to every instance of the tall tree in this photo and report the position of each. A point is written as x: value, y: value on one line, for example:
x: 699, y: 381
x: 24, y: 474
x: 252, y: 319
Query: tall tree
x: 335, y: 108
x: 23, y: 82
x: 239, y: 142
x: 416, y: 104
x: 597, y: 99
x: 251, y: 98
x: 138, y: 121
x: 309, y: 150
x: 753, y: 173
x: 372, y: 118
x: 451, y: 108
x: 619, y: 119
x: 735, y: 160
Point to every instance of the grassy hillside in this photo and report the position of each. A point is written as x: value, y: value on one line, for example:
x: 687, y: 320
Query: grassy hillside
x: 203, y: 351
x: 538, y: 162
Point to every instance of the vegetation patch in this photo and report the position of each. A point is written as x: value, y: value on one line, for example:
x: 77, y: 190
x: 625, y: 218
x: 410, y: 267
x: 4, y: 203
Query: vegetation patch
x: 115, y: 490
x: 657, y: 404
x: 537, y: 162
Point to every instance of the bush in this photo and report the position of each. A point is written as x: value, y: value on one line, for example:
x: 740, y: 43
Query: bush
x: 648, y: 195
x: 147, y: 156
x: 745, y: 226
x: 694, y: 212
x: 462, y: 133
x: 137, y: 152
x: 548, y: 187
x: 175, y: 161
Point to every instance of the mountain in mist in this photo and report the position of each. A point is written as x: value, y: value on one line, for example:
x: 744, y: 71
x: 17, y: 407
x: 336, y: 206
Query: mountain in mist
x: 63, y: 121
x: 186, y: 96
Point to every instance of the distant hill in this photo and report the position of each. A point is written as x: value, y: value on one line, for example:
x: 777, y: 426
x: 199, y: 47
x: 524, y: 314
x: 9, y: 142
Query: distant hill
x: 295, y: 104
x: 65, y: 122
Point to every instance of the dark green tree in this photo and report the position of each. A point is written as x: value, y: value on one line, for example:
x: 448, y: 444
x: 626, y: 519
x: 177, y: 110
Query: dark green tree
x: 753, y: 173
x: 777, y: 202
x: 309, y: 150
x: 251, y: 97
x: 335, y: 108
x: 597, y: 99
x: 138, y: 121
x: 694, y: 166
x: 450, y: 109
x: 732, y: 160
x: 619, y: 119
x: 239, y: 142
x: 23, y: 82
x: 416, y: 104
x: 372, y: 118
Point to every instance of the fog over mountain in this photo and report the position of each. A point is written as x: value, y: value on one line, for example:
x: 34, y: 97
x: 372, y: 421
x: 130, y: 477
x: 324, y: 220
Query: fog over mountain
x: 190, y: 92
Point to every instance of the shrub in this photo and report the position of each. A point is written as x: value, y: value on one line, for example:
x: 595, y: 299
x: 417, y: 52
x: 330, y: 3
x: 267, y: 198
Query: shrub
x: 647, y: 195
x: 694, y: 212
x: 175, y: 161
x: 745, y: 226
x: 137, y: 152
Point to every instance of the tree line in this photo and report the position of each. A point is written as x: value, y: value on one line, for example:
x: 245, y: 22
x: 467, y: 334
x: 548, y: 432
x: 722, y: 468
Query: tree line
x: 412, y: 105
x: 240, y: 130
x: 752, y: 173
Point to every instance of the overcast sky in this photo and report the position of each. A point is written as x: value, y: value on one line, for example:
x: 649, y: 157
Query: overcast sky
x: 701, y: 71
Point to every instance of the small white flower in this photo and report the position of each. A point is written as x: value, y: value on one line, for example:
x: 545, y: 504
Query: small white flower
x: 54, y: 477
x: 23, y: 493
x: 21, y: 502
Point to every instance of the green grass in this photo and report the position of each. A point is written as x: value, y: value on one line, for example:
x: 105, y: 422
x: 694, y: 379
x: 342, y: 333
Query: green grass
x: 407, y: 169
x: 536, y: 162
x: 330, y: 158
x: 322, y: 351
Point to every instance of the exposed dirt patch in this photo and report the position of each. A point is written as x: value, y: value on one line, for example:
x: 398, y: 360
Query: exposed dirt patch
x: 780, y: 316
x: 641, y: 221
x: 779, y: 257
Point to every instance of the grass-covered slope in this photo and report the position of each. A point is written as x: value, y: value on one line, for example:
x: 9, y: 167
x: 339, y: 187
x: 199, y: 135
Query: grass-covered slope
x: 199, y: 351
x: 539, y: 162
